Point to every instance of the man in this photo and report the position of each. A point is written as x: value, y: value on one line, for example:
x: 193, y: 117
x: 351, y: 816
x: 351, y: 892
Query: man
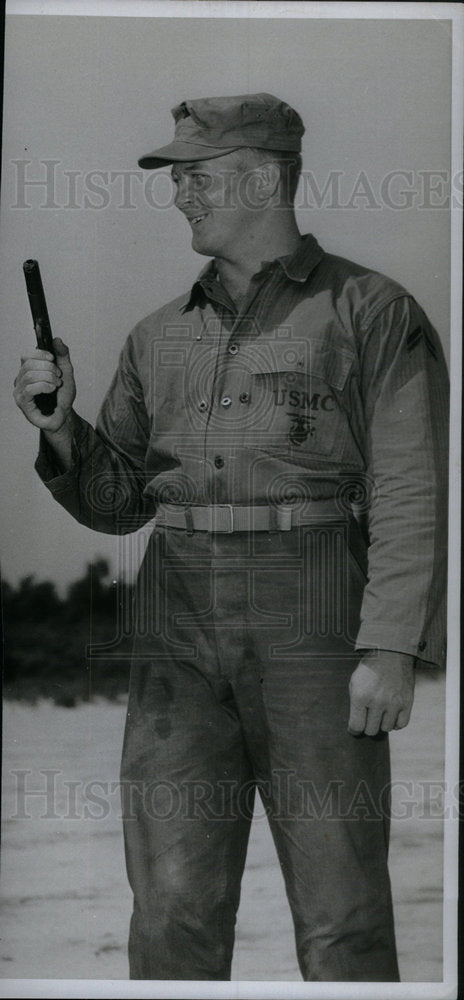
x: 285, y: 421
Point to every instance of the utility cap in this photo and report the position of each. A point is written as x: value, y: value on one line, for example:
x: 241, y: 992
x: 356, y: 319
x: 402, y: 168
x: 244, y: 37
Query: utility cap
x: 213, y: 126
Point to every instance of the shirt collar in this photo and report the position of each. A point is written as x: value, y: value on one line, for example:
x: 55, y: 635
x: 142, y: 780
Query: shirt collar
x: 297, y: 266
x: 199, y: 291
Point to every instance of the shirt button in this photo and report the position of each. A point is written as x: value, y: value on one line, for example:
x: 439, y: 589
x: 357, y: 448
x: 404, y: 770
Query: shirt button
x: 244, y: 397
x: 233, y: 349
x: 203, y: 405
x: 226, y: 401
x: 219, y: 462
x: 422, y: 645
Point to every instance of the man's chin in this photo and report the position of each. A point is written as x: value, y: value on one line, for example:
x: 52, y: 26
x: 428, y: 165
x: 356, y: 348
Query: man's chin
x: 202, y: 247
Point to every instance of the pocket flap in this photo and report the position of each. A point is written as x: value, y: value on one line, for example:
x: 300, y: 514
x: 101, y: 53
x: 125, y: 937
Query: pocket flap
x: 313, y: 358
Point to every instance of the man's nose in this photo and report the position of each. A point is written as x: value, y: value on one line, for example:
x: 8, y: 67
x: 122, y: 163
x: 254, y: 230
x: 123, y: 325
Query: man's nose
x: 183, y: 196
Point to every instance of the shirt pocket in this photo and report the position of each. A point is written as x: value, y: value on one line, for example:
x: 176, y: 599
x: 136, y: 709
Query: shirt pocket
x: 298, y: 395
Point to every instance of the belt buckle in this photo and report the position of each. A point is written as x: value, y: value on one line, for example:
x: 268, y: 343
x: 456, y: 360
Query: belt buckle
x: 225, y: 531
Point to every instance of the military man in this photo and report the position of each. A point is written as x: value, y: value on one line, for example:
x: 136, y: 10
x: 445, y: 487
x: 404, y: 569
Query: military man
x: 284, y: 424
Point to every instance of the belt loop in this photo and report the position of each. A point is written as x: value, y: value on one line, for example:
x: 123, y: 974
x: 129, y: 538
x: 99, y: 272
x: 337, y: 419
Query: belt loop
x: 284, y: 517
x: 189, y: 520
x: 231, y: 515
x: 274, y: 518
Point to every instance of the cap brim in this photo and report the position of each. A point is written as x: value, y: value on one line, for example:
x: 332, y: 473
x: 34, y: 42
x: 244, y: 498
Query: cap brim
x: 177, y: 152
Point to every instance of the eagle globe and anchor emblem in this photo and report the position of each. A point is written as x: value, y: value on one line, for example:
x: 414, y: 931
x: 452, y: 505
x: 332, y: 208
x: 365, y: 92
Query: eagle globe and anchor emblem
x: 301, y: 428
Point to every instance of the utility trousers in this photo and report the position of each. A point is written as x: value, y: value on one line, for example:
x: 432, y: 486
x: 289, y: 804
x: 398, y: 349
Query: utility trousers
x: 242, y: 659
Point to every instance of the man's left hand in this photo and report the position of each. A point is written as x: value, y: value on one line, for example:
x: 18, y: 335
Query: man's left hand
x: 381, y: 692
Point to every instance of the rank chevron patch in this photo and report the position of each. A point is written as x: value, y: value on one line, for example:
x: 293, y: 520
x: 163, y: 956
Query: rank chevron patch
x: 414, y: 338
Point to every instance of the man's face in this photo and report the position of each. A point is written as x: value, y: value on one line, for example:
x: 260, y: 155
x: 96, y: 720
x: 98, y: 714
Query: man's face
x: 211, y: 195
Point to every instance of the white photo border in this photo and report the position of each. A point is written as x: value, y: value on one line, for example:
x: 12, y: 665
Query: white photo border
x: 329, y: 991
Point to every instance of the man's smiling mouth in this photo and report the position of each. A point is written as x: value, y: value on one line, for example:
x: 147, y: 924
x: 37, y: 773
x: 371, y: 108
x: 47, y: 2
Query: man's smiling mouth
x: 196, y: 219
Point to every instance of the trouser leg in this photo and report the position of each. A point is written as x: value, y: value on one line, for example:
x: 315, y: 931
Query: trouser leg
x: 326, y: 792
x: 328, y: 805
x: 187, y: 788
x: 188, y: 804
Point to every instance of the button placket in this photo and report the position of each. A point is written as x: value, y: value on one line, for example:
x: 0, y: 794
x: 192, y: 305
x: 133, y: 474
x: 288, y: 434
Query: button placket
x: 203, y: 404
x: 231, y: 385
x: 224, y: 397
x: 220, y: 401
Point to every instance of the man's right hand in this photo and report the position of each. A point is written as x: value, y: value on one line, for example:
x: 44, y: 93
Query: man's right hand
x: 39, y: 374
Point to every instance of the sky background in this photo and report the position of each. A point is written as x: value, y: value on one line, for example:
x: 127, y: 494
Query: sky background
x: 94, y: 93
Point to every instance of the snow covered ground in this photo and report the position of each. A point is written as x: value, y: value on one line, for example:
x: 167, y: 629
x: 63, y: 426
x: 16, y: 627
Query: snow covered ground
x: 66, y: 904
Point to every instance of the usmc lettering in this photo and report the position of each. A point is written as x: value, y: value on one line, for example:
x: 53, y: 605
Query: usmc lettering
x: 293, y: 397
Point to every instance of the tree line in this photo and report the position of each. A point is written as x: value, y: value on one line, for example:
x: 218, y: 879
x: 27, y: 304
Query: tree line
x: 46, y: 638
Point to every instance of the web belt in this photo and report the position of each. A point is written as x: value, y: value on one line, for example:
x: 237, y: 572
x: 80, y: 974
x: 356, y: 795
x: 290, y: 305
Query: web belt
x: 228, y: 518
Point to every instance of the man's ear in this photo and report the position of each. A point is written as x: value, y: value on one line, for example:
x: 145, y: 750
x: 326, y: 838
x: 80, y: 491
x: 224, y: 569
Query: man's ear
x: 268, y: 179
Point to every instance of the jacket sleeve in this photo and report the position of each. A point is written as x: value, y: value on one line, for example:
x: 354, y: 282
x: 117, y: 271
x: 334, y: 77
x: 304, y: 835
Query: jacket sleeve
x: 104, y: 487
x: 404, y: 384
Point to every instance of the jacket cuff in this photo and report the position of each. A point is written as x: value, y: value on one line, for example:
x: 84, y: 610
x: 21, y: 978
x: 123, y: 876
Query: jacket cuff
x: 431, y: 651
x: 47, y: 465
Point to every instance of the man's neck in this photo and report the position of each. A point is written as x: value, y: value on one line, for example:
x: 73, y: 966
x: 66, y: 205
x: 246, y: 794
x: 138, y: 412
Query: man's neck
x: 236, y: 272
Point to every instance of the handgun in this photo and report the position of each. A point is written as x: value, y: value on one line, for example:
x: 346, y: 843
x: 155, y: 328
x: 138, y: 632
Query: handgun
x: 46, y: 401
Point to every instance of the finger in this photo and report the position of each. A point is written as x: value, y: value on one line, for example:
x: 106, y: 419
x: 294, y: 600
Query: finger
x: 27, y: 389
x: 357, y: 719
x: 28, y: 378
x: 45, y: 355
x: 403, y: 718
x: 389, y: 720
x: 374, y: 719
x: 38, y: 364
x: 30, y: 391
x: 61, y: 349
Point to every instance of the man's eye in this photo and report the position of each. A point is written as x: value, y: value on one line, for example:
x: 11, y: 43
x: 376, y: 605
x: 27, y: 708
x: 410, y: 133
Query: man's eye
x: 199, y: 180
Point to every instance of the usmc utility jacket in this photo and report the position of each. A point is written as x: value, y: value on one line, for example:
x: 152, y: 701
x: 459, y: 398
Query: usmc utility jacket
x: 329, y: 382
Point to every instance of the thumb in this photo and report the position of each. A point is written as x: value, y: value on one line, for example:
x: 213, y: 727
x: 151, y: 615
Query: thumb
x: 61, y: 350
